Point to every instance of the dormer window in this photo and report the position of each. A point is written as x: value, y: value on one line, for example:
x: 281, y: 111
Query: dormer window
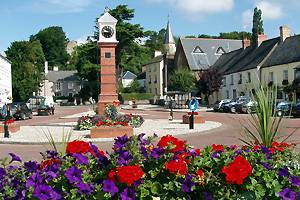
x: 198, y: 50
x: 220, y: 51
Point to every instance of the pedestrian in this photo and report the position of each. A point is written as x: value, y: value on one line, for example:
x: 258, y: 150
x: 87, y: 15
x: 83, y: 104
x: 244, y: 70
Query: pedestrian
x: 53, y: 108
x: 171, y: 106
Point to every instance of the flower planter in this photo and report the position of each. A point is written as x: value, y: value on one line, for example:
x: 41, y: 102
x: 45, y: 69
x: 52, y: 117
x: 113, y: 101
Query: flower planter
x: 111, y: 131
x: 197, y: 119
x: 12, y: 128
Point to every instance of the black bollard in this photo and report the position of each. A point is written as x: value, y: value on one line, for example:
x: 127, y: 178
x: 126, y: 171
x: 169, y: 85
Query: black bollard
x: 6, y: 131
x: 192, y: 120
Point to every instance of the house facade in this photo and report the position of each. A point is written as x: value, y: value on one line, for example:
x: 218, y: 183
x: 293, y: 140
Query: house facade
x: 5, y: 81
x: 128, y: 78
x: 273, y: 62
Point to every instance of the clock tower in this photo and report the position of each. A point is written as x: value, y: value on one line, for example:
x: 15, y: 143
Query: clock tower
x: 107, y: 44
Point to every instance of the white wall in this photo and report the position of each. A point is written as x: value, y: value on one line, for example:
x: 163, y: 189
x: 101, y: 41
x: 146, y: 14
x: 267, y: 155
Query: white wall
x: 126, y: 82
x: 5, y: 82
x: 155, y: 72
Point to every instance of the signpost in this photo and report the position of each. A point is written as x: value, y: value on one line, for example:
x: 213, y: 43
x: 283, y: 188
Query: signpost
x: 193, y: 106
x: 5, y: 111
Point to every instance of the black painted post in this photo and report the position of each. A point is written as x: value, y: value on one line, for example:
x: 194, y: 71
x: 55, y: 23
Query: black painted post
x: 192, y: 120
x: 6, y: 131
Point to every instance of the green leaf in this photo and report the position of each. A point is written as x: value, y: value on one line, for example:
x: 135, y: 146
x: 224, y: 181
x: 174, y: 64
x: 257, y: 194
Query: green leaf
x: 156, y: 188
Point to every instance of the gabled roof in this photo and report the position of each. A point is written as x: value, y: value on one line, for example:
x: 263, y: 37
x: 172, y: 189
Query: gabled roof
x: 129, y: 75
x: 286, y: 52
x: 55, y: 76
x: 252, y: 57
x: 200, y: 61
x: 106, y: 17
x: 4, y: 58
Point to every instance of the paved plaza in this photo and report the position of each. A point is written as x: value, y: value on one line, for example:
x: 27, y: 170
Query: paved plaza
x: 220, y: 128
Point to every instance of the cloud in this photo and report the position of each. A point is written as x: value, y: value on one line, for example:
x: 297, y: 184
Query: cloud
x: 270, y: 10
x: 247, y: 18
x: 198, y: 8
x: 61, y: 6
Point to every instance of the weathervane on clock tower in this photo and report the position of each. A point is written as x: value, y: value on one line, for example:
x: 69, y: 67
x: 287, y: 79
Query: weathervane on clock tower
x: 107, y: 44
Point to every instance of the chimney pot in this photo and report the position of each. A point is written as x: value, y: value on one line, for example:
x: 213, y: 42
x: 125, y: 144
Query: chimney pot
x: 246, y: 43
x: 284, y: 33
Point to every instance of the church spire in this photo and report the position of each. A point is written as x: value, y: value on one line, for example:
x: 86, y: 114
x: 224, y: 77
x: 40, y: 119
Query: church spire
x: 169, y: 42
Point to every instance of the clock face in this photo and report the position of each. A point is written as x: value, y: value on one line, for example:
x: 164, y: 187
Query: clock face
x: 107, y: 31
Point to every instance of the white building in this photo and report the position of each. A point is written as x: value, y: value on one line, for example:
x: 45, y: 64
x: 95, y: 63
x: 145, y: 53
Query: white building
x: 128, y: 78
x: 5, y: 81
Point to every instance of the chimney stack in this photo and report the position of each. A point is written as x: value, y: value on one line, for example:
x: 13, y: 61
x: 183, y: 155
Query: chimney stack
x: 284, y: 33
x: 157, y: 53
x: 261, y: 38
x: 246, y: 43
x: 46, y: 67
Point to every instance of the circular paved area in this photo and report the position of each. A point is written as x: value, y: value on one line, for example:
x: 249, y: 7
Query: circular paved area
x: 228, y: 133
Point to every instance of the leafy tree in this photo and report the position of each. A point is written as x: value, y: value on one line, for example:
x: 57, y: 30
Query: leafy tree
x: 235, y: 35
x: 27, y: 66
x: 135, y: 87
x: 53, y: 40
x: 182, y: 80
x: 156, y: 40
x: 210, y: 81
x: 257, y: 26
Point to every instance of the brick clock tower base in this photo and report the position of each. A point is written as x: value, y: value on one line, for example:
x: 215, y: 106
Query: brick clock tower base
x: 108, y: 80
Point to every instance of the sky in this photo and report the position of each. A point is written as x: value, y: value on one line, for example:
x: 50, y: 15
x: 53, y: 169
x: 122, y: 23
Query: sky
x: 21, y: 18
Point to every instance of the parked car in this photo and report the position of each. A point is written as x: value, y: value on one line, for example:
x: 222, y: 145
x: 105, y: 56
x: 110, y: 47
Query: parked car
x: 296, y: 110
x: 218, y: 104
x: 44, y: 110
x: 236, y: 104
x: 20, y: 111
x: 283, y: 109
x: 249, y: 107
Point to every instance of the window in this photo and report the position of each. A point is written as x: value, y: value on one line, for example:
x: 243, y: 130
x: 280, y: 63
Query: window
x: 249, y: 77
x: 58, y: 86
x: 198, y: 50
x: 220, y: 51
x: 271, y: 76
x: 234, y: 94
x: 285, y: 75
x: 227, y: 94
x: 155, y: 81
x: 156, y: 91
x: 231, y: 76
x: 58, y: 94
x: 70, y: 94
x: 70, y: 85
x: 297, y: 73
x: 224, y: 81
x: 241, y: 77
x: 149, y: 79
x: 107, y: 55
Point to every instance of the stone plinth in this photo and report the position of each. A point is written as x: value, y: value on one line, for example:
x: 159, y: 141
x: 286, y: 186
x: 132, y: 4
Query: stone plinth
x: 111, y: 131
x: 197, y: 119
x: 12, y: 128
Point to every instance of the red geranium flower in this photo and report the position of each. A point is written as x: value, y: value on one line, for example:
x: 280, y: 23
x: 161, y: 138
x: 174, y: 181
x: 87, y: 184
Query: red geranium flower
x: 176, y: 144
x: 49, y: 162
x: 78, y: 146
x: 237, y: 171
x: 218, y: 147
x: 111, y: 174
x: 129, y: 174
x: 200, y: 173
x: 177, y: 167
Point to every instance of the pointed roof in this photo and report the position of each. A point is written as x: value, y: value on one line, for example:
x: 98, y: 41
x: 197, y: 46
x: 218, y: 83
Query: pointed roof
x: 106, y: 17
x: 169, y: 39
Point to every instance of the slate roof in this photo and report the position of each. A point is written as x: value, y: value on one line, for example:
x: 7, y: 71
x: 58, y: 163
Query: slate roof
x: 129, y: 75
x: 286, y: 52
x: 252, y: 57
x: 206, y: 50
x: 4, y: 58
x: 55, y: 76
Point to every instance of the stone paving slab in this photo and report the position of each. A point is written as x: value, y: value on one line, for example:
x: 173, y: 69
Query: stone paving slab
x: 39, y: 134
x: 160, y: 108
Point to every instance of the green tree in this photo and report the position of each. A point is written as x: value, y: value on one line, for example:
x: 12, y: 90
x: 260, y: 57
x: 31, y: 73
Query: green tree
x: 257, y: 26
x: 182, y: 80
x: 210, y: 81
x: 27, y: 66
x: 134, y: 87
x: 235, y: 35
x: 155, y: 40
x: 54, y: 41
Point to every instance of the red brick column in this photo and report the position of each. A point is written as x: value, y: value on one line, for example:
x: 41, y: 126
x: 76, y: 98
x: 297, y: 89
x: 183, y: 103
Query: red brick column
x: 107, y: 79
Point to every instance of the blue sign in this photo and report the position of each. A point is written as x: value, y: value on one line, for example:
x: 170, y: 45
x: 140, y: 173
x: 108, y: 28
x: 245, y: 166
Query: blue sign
x: 4, y: 111
x: 193, y: 104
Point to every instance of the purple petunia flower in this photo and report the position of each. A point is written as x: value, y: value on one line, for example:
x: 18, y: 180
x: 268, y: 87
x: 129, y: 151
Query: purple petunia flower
x: 295, y: 181
x: 2, y: 172
x: 142, y: 140
x: 157, y: 153
x: 124, y: 157
x: 81, y: 159
x: 207, y: 196
x: 110, y: 186
x: 34, y: 180
x: 52, y: 154
x: 73, y: 174
x: 239, y: 151
x: 247, y: 150
x: 14, y: 157
x: 128, y: 194
x: 45, y: 192
x: 187, y: 184
x: 31, y: 166
x: 215, y: 155
x: 50, y: 175
x: 287, y: 194
x: 283, y: 171
x: 121, y: 141
x: 84, y: 188
x: 144, y: 151
x: 266, y: 166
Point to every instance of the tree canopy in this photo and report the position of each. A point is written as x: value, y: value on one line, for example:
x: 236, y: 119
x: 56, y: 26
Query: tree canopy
x: 234, y: 35
x: 54, y: 41
x: 27, y: 66
x: 257, y: 26
x: 182, y: 80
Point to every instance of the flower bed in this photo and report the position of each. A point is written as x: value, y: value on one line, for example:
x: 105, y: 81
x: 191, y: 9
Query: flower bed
x: 138, y: 169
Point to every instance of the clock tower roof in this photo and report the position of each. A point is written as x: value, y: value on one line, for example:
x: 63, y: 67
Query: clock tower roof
x: 106, y: 17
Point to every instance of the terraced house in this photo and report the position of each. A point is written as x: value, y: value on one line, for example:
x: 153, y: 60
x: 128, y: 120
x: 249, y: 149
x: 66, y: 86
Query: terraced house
x: 274, y: 61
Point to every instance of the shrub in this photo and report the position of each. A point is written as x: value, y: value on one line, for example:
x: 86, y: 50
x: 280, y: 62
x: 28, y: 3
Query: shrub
x: 137, y: 96
x: 138, y: 169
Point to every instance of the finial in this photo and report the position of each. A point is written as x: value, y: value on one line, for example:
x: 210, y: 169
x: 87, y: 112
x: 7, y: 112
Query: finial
x: 106, y: 9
